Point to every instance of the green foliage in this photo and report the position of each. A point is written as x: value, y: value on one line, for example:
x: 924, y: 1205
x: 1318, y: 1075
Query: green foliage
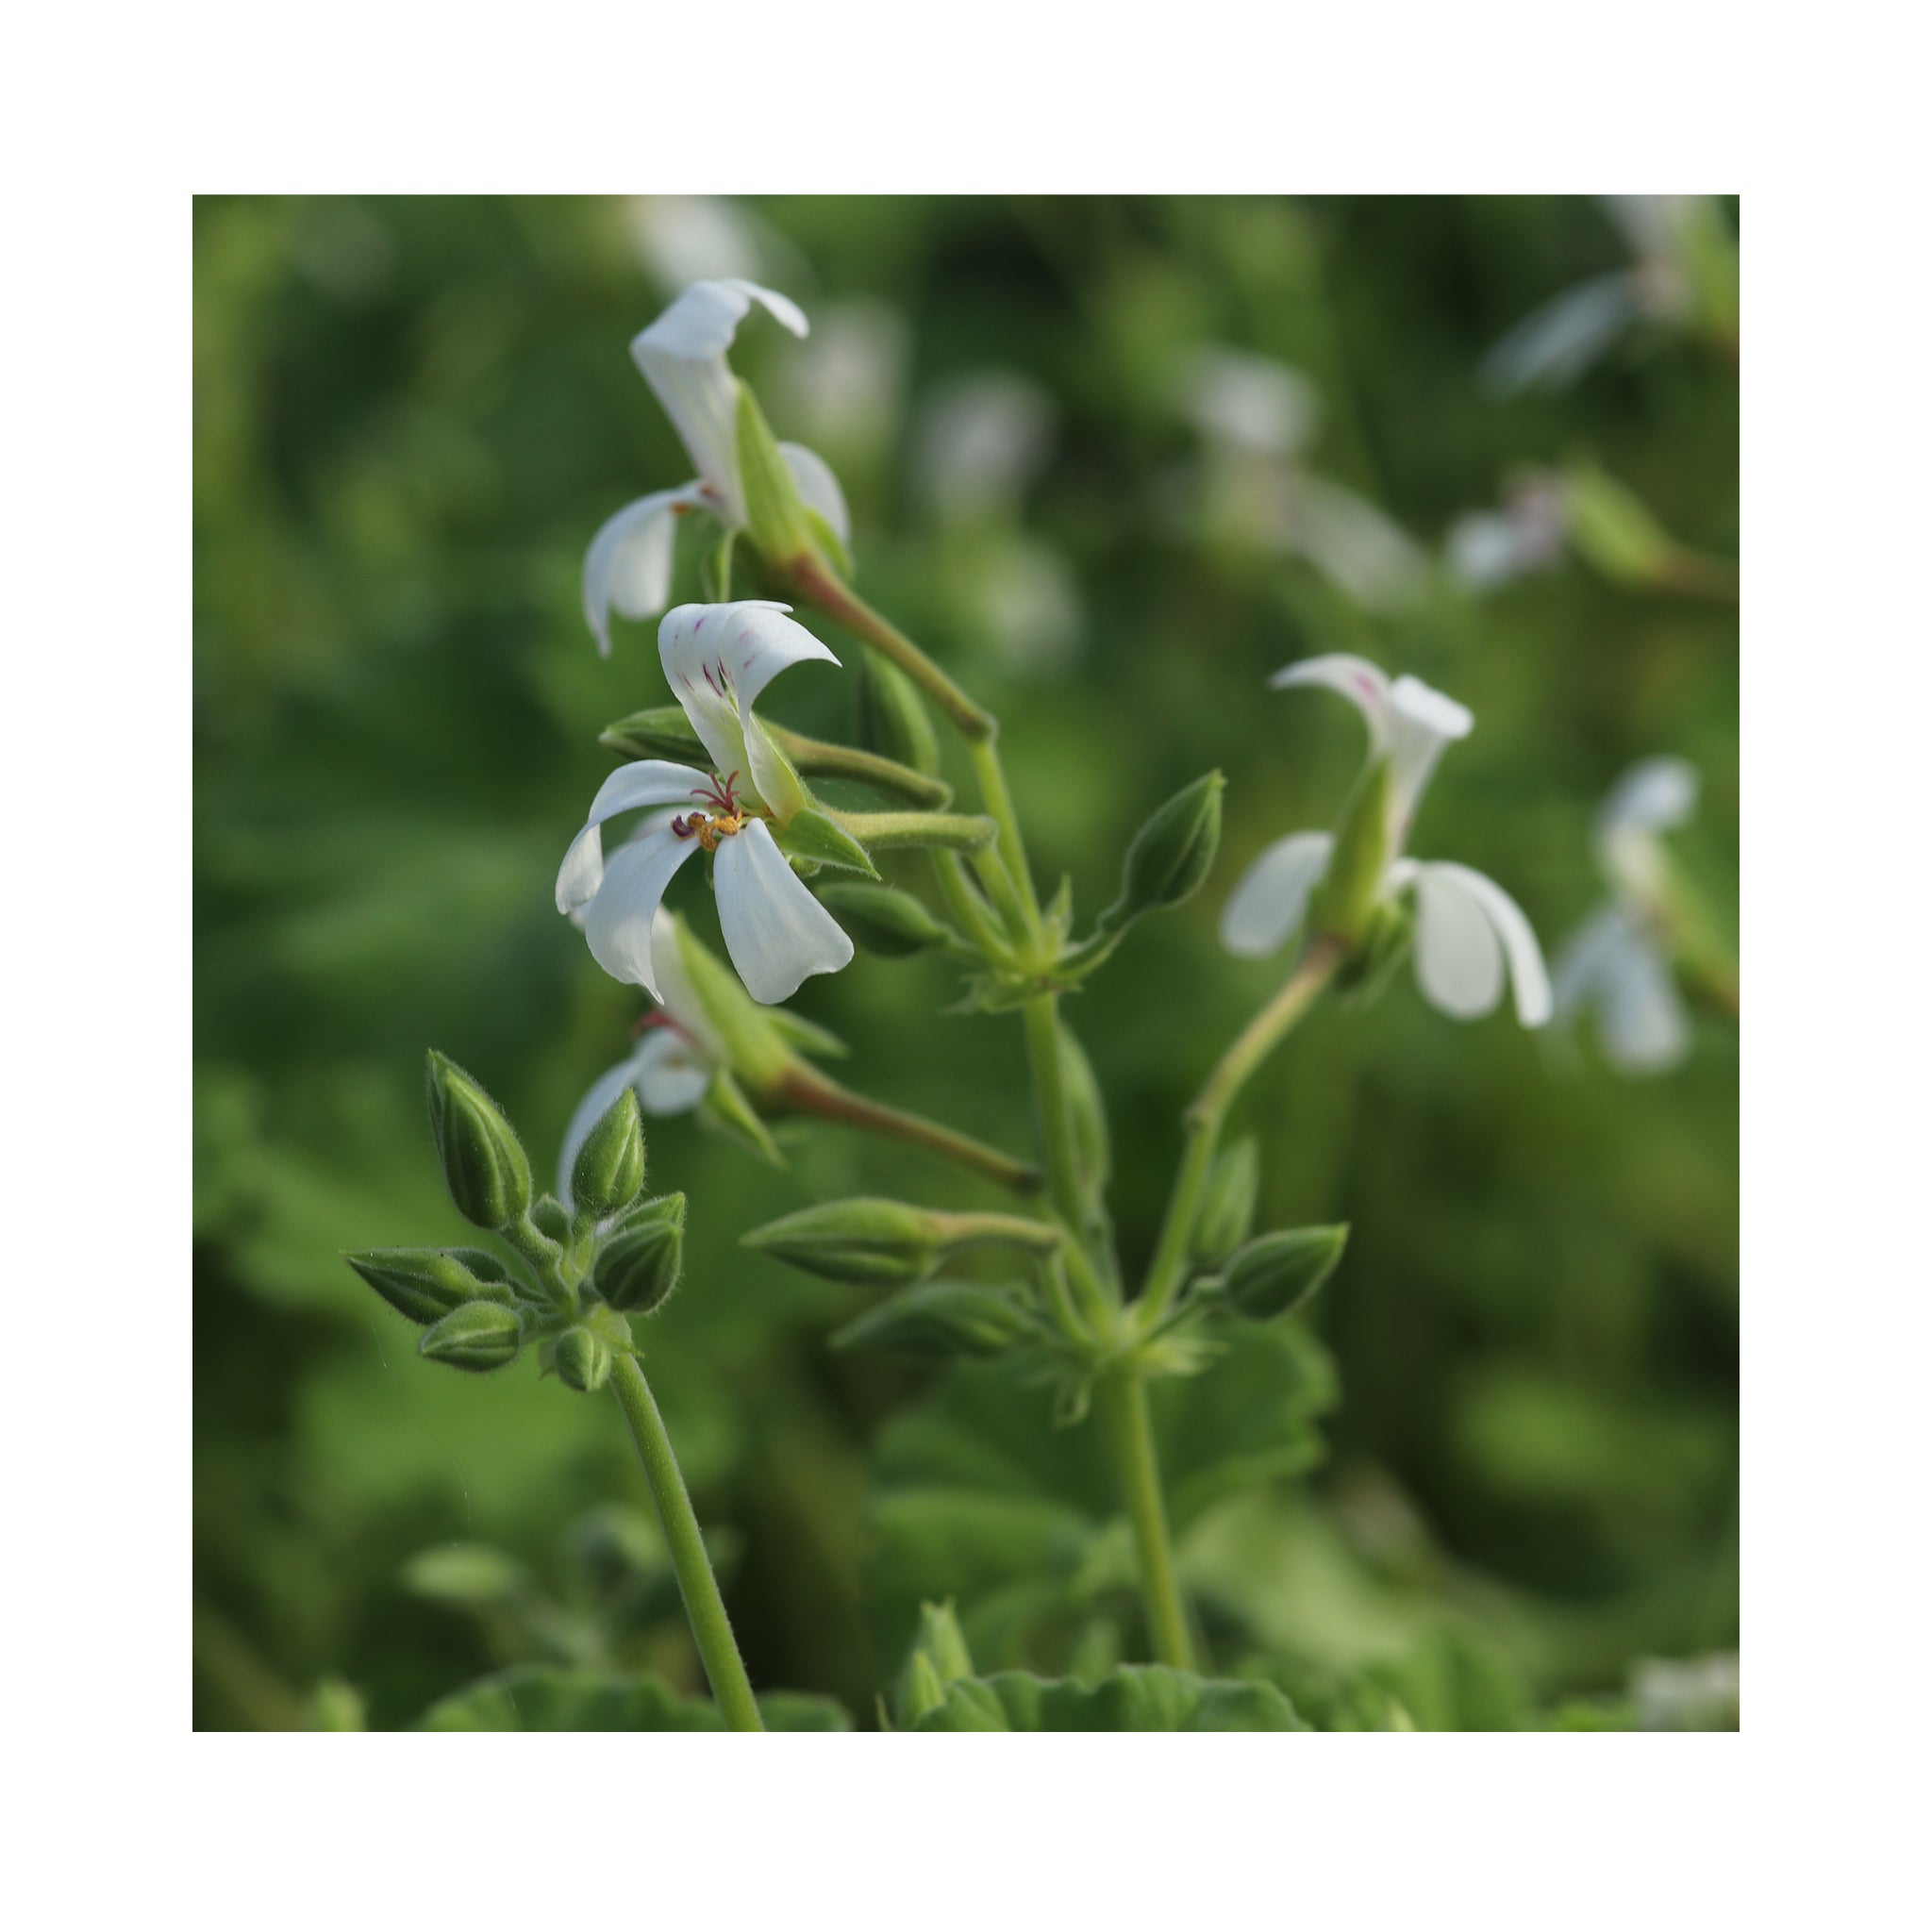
x: 883, y: 919
x: 1137, y: 1697
x: 540, y: 1697
x: 944, y: 1320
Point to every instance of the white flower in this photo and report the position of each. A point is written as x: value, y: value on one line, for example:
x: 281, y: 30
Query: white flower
x: 719, y: 658
x: 1490, y: 547
x: 1470, y: 935
x: 677, y: 1055
x: 1618, y: 961
x: 627, y: 567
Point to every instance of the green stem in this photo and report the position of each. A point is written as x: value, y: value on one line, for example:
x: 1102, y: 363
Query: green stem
x: 703, y: 1606
x: 898, y: 831
x: 968, y: 904
x: 1120, y: 1402
x: 818, y: 584
x: 991, y: 776
x: 815, y: 1092
x: 1208, y: 1114
x: 1059, y: 1150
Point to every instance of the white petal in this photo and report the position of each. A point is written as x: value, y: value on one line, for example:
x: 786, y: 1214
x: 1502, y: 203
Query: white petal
x: 1553, y: 345
x: 672, y: 1076
x: 1459, y: 959
x: 627, y: 567
x: 1272, y: 896
x: 777, y: 933
x: 1646, y: 1029
x: 1589, y: 958
x: 648, y: 781
x: 719, y: 658
x: 1527, y: 974
x: 1367, y: 553
x: 617, y: 923
x: 1364, y: 685
x: 818, y: 487
x: 703, y: 320
x: 1423, y: 723
x: 676, y: 994
x: 590, y: 1111
x: 1653, y: 795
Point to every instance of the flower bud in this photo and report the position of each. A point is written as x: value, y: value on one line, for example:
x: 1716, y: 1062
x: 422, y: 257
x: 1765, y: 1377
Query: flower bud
x: 426, y: 1284
x: 943, y: 1321
x: 583, y: 1360
x: 1276, y: 1272
x: 662, y: 732
x: 883, y: 919
x: 877, y: 1244
x: 477, y: 1335
x: 889, y: 717
x: 484, y: 1164
x: 1087, y: 1112
x: 1171, y: 853
x: 811, y: 835
x: 1227, y: 1202
x: 1357, y: 867
x: 609, y: 1172
x: 939, y: 1658
x: 639, y: 1259
x: 551, y: 1218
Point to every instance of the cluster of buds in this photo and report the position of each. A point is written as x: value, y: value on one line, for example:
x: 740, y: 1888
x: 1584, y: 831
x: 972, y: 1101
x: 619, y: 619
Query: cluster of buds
x: 588, y: 1267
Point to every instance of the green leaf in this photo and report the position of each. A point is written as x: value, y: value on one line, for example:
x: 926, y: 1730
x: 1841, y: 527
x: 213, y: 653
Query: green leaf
x: 1136, y: 1698
x: 813, y: 836
x: 543, y: 1697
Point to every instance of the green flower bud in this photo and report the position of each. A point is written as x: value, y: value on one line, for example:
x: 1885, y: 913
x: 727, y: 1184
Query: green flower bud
x: 662, y: 732
x: 1227, y: 1202
x: 1087, y: 1111
x: 939, y: 1658
x: 883, y: 919
x: 889, y: 717
x: 552, y: 1218
x: 583, y: 1360
x: 774, y: 514
x: 879, y: 1244
x: 426, y: 1284
x: 943, y: 1321
x: 609, y: 1172
x: 1384, y: 946
x: 811, y: 835
x: 484, y: 1164
x: 640, y: 1257
x: 477, y: 1335
x: 1345, y: 900
x: 919, y: 1691
x: 1171, y: 853
x: 1276, y: 1272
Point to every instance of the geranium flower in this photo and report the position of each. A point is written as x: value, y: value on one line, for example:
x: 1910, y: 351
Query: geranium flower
x: 627, y: 567
x: 1470, y: 935
x: 1618, y: 960
x: 719, y: 658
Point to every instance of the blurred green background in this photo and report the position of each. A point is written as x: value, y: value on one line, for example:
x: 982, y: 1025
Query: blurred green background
x: 1498, y: 1466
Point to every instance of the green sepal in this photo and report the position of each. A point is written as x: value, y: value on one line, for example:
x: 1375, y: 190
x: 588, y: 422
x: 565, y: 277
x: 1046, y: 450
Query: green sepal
x: 944, y: 1320
x: 609, y: 1172
x: 714, y: 572
x: 889, y: 717
x: 662, y: 732
x: 829, y: 542
x: 811, y: 835
x: 798, y: 1032
x: 583, y: 1360
x: 884, y: 921
x: 1343, y: 904
x: 1172, y: 854
x: 640, y: 1257
x: 479, y: 1336
x: 776, y: 517
x: 874, y: 1242
x: 1227, y: 1202
x: 484, y: 1165
x: 725, y: 1108
x: 551, y: 1219
x: 1087, y: 1111
x: 1364, y: 977
x: 1136, y: 1698
x: 424, y: 1284
x: 1276, y: 1274
x: 938, y: 1656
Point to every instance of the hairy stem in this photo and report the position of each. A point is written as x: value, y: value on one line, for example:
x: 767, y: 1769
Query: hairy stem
x: 703, y: 1606
x: 1208, y: 1115
x: 815, y: 1092
x: 1120, y: 1404
x: 898, y: 831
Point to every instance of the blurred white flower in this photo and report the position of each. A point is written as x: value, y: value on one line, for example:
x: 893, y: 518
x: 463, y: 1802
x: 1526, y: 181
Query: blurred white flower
x: 982, y: 441
x: 718, y: 658
x: 1618, y: 962
x: 1488, y: 548
x: 1470, y: 935
x: 682, y: 356
x: 1698, y: 1694
x: 1257, y: 418
x: 695, y: 238
x: 676, y: 1057
x: 1553, y: 344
